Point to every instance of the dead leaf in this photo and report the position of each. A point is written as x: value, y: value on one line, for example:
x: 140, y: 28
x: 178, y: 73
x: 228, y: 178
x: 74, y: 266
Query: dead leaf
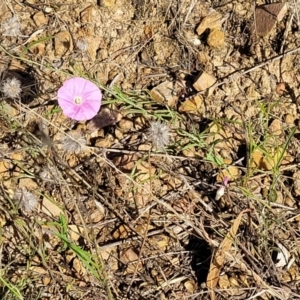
x: 219, y: 257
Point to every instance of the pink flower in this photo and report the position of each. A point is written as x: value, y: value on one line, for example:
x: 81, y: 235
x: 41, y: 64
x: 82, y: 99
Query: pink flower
x: 80, y: 99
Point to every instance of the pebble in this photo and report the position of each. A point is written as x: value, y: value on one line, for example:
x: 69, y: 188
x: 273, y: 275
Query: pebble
x: 216, y: 38
x: 213, y: 20
x: 63, y: 43
x: 204, y: 81
x: 40, y: 19
x: 165, y: 93
x: 266, y: 17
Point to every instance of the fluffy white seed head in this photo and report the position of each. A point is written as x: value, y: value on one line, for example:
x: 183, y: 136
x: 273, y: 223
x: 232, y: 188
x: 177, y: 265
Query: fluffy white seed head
x: 11, y: 88
x: 82, y: 45
x: 159, y: 134
x: 49, y: 173
x: 25, y: 200
x: 74, y: 144
x: 12, y: 27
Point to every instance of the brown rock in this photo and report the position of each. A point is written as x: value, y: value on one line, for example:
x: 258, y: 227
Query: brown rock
x: 204, y: 81
x: 192, y: 104
x: 105, y: 142
x: 216, y: 38
x: 128, y: 257
x: 296, y: 178
x: 281, y: 88
x: 125, y: 162
x: 63, y: 43
x: 75, y: 232
x: 86, y: 16
x: 221, y: 139
x: 232, y: 172
x: 38, y: 49
x: 213, y: 20
x: 269, y: 158
x: 50, y: 208
x: 165, y: 93
x: 266, y: 17
x: 290, y: 119
x: 3, y: 7
x: 28, y: 183
x: 276, y: 127
x: 40, y: 19
x: 125, y: 125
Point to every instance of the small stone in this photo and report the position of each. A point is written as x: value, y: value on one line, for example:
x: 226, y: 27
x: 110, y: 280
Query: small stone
x: 279, y: 197
x: 144, y: 147
x: 190, y: 286
x: 290, y: 119
x: 40, y: 19
x: 165, y: 93
x: 192, y: 104
x: 275, y: 127
x: 216, y: 38
x: 281, y: 88
x: 289, y: 202
x: 63, y: 43
x: 50, y: 208
x: 268, y: 159
x: 96, y: 216
x: 105, y: 142
x: 232, y: 172
x: 46, y: 280
x: 119, y: 134
x: 296, y: 185
x: 28, y: 183
x: 213, y: 20
x: 221, y: 139
x: 129, y: 256
x: 266, y: 17
x: 204, y: 81
x: 78, y: 266
x: 48, y: 10
x: 190, y: 152
x: 3, y: 7
x: 86, y: 16
x: 75, y: 232
x: 202, y: 57
x: 125, y: 125
x: 38, y: 49
x: 125, y: 162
